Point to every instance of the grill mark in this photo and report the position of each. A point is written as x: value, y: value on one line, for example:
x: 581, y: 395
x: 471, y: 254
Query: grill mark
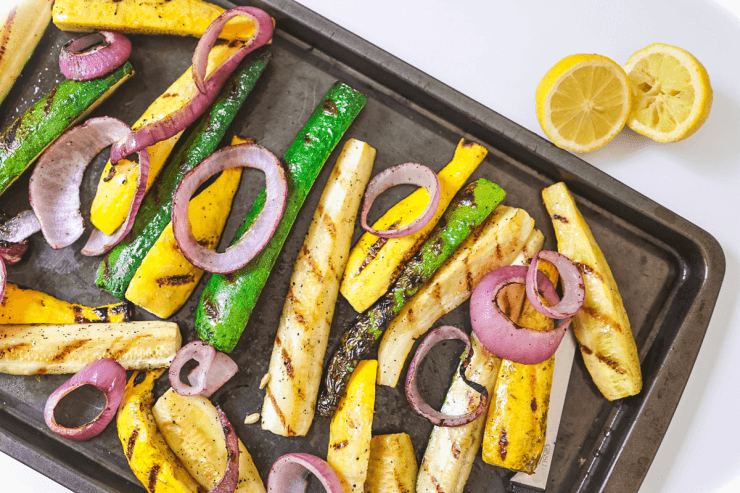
x: 210, y: 308
x: 330, y: 226
x: 601, y: 317
x: 11, y: 349
x: 103, y: 314
x: 131, y: 442
x: 456, y: 450
x: 300, y: 318
x: 177, y: 280
x: 587, y: 270
x: 611, y: 363
x: 586, y: 349
x: 312, y: 263
x: 562, y: 219
x: 340, y: 445
x: 124, y: 308
x: 410, y: 315
x: 49, y: 102
x: 111, y: 173
x: 499, y: 253
x: 330, y: 107
x: 61, y: 356
x: 288, y: 431
x: 469, y: 281
x: 533, y: 404
x: 503, y: 443
x: 437, y: 292
x: 375, y: 248
x: 152, y: 481
x: 437, y: 486
x: 6, y: 31
x: 120, y: 352
x: 288, y: 363
x: 292, y: 297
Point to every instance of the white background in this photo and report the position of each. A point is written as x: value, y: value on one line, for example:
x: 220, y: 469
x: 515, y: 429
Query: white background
x: 496, y: 53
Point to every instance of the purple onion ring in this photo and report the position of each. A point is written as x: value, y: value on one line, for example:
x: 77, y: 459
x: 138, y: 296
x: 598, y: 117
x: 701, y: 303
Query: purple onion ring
x: 201, y: 352
x: 230, y: 480
x: 84, y: 59
x: 574, y: 291
x: 288, y: 474
x: 222, y: 369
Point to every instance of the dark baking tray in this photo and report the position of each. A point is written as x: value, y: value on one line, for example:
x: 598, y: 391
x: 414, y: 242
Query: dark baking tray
x: 669, y: 271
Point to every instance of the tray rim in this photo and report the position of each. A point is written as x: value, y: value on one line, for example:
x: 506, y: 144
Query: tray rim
x: 619, y: 472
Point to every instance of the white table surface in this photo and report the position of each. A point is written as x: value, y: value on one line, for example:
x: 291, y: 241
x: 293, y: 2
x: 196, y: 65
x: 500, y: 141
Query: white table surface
x: 496, y: 53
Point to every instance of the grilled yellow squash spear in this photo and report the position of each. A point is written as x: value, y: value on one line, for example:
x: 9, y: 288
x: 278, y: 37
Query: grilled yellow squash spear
x: 516, y: 425
x: 450, y: 452
x: 494, y: 244
x: 27, y: 306
x: 22, y: 23
x: 601, y: 325
x: 117, y: 184
x: 191, y: 427
x: 303, y: 333
x: 180, y: 17
x: 165, y: 279
x: 392, y: 467
x: 375, y: 263
x: 350, y: 431
x: 144, y: 446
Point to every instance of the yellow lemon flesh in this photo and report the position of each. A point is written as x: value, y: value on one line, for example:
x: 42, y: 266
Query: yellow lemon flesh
x: 583, y: 102
x: 671, y: 94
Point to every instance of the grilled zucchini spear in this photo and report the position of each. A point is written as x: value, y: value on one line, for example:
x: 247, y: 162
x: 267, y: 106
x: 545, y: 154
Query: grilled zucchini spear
x: 144, y: 446
x: 450, y: 452
x: 26, y: 306
x: 601, y: 325
x: 22, y: 23
x: 392, y: 467
x: 493, y: 244
x: 191, y: 428
x: 469, y: 209
x: 300, y: 344
x: 32, y: 349
x: 117, y: 184
x: 375, y: 263
x: 516, y: 425
x: 165, y: 279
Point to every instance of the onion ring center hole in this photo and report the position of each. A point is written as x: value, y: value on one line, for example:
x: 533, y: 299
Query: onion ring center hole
x: 390, y: 197
x: 80, y: 406
x: 435, y: 372
x: 251, y: 185
x: 85, y: 43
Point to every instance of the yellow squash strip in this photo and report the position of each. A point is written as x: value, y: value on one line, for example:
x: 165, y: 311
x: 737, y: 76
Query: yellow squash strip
x: 192, y: 429
x: 516, y: 425
x: 117, y: 184
x: 494, y: 244
x: 375, y: 263
x: 26, y: 306
x: 147, y: 453
x: 601, y: 325
x: 303, y: 333
x: 39, y: 349
x: 22, y: 23
x: 392, y: 467
x: 165, y: 279
x: 179, y: 17
x: 450, y: 452
x: 350, y: 431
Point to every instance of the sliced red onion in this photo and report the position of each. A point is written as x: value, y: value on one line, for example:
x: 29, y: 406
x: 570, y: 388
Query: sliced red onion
x: 256, y: 238
x: 54, y: 188
x: 438, y: 418
x: 403, y: 174
x: 574, y: 292
x: 289, y: 473
x: 3, y: 279
x: 20, y: 227
x: 13, y: 252
x: 201, y: 352
x: 105, y: 375
x: 230, y: 480
x: 177, y: 121
x: 89, y: 57
x: 498, y: 333
x: 222, y: 369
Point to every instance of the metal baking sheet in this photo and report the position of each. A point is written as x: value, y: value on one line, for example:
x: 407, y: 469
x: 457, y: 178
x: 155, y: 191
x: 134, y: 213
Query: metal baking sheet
x: 669, y: 271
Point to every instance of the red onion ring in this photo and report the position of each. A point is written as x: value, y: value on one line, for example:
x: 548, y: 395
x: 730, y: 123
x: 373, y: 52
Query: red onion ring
x: 80, y: 58
x: 3, y: 279
x: 498, y: 333
x: 403, y: 174
x: 54, y: 188
x: 222, y: 369
x: 288, y: 474
x: 438, y: 418
x: 230, y: 480
x: 201, y: 352
x: 256, y: 238
x: 105, y: 375
x: 20, y: 227
x: 179, y: 120
x: 574, y: 291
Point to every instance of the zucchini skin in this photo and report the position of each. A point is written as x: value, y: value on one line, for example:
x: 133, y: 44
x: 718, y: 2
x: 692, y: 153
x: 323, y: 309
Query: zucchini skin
x: 469, y: 209
x: 48, y: 118
x: 219, y: 318
x: 120, y: 264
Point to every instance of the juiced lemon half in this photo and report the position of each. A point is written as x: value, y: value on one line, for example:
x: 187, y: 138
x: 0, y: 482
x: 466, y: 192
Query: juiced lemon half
x: 671, y: 94
x: 583, y: 102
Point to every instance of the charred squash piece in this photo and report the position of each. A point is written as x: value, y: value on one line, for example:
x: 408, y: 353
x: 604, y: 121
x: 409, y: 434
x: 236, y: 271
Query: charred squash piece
x: 26, y: 306
x: 392, y: 467
x: 180, y: 17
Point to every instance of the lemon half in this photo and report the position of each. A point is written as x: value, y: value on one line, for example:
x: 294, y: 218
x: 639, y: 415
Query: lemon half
x: 583, y: 102
x: 671, y: 94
